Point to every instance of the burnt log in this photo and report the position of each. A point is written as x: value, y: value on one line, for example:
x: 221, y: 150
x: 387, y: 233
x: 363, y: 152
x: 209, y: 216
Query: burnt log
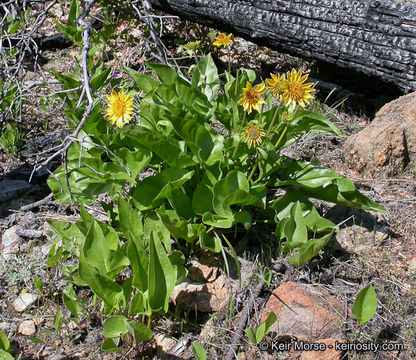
x: 374, y: 37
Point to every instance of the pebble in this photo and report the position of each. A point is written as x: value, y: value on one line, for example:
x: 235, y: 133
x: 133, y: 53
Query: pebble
x: 27, y: 328
x: 23, y: 301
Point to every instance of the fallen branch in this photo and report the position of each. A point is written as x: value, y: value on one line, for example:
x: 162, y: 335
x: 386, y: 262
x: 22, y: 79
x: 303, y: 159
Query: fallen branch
x: 242, y: 323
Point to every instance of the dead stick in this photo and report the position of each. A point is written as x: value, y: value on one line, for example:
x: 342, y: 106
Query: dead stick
x: 248, y: 310
x: 37, y: 203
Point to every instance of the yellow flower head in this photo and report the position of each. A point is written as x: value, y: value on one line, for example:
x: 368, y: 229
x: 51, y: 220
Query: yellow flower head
x: 251, y: 98
x: 275, y: 84
x: 252, y: 135
x: 294, y: 91
x: 119, y: 108
x: 223, y: 39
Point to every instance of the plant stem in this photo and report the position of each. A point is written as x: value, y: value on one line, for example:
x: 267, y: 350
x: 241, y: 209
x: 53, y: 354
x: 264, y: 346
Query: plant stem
x: 239, y: 128
x: 236, y: 82
x: 281, y: 136
x: 229, y: 61
x: 254, y: 168
x: 273, y: 120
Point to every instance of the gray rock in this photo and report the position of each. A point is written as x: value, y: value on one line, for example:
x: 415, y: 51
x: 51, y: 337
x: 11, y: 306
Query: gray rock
x: 10, y: 241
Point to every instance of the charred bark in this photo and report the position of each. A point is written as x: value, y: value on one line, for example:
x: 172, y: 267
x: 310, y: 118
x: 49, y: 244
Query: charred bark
x: 374, y: 37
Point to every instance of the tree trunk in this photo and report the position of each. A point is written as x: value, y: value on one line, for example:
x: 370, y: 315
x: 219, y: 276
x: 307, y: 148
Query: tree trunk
x: 374, y: 37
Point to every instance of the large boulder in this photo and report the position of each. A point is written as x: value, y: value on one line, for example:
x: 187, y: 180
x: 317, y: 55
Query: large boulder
x: 388, y: 145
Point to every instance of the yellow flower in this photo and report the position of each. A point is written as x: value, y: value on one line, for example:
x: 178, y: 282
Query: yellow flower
x: 223, y: 39
x: 253, y: 135
x: 119, y: 108
x: 251, y: 99
x: 275, y: 84
x: 294, y: 91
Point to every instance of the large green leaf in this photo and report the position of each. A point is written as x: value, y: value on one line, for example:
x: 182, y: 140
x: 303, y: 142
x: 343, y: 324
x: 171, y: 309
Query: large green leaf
x: 178, y: 227
x: 136, y: 160
x: 295, y: 229
x: 307, y: 121
x: 144, y: 82
x: 139, y: 261
x: 162, y: 277
x: 206, y: 145
x: 130, y: 221
x: 105, y: 288
x: 321, y: 183
x: 109, y: 262
x: 233, y: 190
x: 165, y: 148
x: 152, y: 191
x: 205, y: 77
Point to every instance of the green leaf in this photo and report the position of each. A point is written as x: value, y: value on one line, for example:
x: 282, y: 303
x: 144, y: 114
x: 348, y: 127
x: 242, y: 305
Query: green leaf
x: 206, y: 78
x: 14, y: 27
x: 165, y: 148
x: 140, y: 331
x: 205, y: 144
x: 4, y: 342
x: 110, y: 262
x: 308, y: 121
x: 295, y: 229
x: 309, y: 249
x: 264, y: 327
x: 151, y: 192
x: 202, y: 199
x: 115, y: 326
x: 71, y: 300
x: 144, y: 82
x: 106, y: 289
x: 136, y: 160
x: 130, y: 221
x: 109, y: 346
x: 179, y: 228
x: 139, y: 305
x: 57, y: 321
x: 139, y: 261
x: 98, y: 80
x: 365, y: 305
x: 38, y: 284
x: 5, y: 355
x: 199, y: 351
x: 212, y: 243
x: 162, y: 277
x: 233, y: 190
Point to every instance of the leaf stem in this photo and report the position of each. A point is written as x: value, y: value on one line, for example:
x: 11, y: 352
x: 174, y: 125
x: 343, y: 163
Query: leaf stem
x: 239, y: 128
x: 281, y: 136
x: 273, y: 120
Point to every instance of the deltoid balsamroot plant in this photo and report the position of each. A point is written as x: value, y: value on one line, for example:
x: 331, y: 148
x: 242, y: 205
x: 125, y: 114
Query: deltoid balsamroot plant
x: 212, y: 147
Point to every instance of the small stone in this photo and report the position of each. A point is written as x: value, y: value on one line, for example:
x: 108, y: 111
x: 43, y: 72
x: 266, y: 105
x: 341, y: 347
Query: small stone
x: 10, y: 241
x: 304, y: 312
x: 330, y: 352
x: 27, y: 328
x: 23, y: 301
x: 204, y: 297
x: 164, y: 343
